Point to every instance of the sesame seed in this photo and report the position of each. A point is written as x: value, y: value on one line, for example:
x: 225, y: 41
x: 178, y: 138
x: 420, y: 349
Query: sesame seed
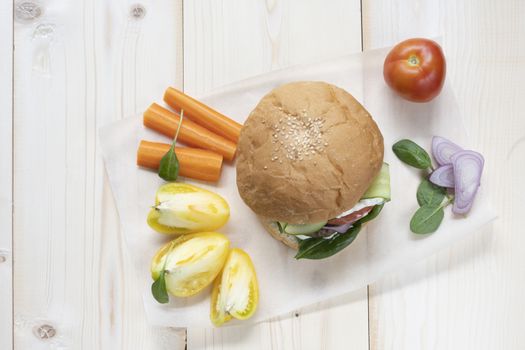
x: 300, y: 137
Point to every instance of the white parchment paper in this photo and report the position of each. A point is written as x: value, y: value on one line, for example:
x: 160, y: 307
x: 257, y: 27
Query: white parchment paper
x: 286, y: 284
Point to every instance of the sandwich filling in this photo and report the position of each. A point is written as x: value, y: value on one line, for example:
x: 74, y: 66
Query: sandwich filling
x: 371, y: 203
x: 343, y: 222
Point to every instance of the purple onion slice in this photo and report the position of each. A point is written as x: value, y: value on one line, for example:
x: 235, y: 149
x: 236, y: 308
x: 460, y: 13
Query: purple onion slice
x: 341, y: 228
x: 468, y: 166
x: 443, y: 150
x: 443, y: 176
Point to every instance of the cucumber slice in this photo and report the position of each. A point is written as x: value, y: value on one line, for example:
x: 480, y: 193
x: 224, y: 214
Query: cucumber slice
x: 302, y: 229
x: 380, y: 187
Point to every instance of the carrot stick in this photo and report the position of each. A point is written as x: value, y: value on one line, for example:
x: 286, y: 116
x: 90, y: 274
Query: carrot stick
x: 196, y: 163
x: 165, y: 122
x: 202, y: 114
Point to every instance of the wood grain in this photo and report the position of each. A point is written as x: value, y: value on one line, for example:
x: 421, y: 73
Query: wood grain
x: 6, y: 171
x: 83, y: 64
x: 229, y: 40
x: 78, y: 66
x: 226, y: 41
x: 328, y: 325
x: 468, y: 296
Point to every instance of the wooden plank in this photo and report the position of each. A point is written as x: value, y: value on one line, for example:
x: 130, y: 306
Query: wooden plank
x: 328, y: 325
x: 226, y: 41
x: 468, y: 296
x: 6, y: 171
x: 78, y: 66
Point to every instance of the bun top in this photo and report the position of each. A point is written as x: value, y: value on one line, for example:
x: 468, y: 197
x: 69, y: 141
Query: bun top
x: 307, y: 153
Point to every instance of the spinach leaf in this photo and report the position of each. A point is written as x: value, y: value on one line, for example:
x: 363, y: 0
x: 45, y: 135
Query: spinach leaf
x: 430, y: 194
x: 320, y: 248
x: 427, y: 219
x: 169, y: 164
x: 158, y: 288
x: 412, y: 154
x: 281, y: 227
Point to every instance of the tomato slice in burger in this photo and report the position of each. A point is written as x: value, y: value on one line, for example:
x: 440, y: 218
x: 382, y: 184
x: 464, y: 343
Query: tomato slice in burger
x: 235, y: 291
x: 350, y: 218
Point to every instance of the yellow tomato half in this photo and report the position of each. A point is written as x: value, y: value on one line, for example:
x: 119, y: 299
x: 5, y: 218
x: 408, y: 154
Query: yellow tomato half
x: 182, y: 208
x: 235, y: 291
x: 191, y: 262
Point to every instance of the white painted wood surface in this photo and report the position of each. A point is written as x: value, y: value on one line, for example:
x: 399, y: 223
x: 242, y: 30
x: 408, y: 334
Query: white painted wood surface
x: 78, y: 66
x: 84, y: 63
x: 471, y: 295
x: 6, y: 171
x: 229, y: 40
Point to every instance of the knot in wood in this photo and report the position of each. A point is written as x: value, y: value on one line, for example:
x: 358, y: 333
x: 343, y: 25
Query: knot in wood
x: 27, y: 11
x: 45, y: 331
x: 3, y: 256
x: 138, y: 11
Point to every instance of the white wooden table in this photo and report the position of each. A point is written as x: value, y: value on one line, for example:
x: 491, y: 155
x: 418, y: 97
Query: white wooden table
x: 68, y: 67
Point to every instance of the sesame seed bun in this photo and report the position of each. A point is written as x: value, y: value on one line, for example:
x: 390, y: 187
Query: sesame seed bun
x: 307, y: 153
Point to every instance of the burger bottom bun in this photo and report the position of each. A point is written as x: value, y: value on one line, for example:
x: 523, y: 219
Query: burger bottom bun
x: 273, y: 229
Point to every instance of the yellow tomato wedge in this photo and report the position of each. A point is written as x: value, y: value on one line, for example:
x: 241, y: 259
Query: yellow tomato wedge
x: 235, y: 291
x: 191, y: 262
x: 182, y: 208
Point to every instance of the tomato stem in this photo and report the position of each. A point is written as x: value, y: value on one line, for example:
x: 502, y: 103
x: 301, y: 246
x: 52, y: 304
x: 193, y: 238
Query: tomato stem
x: 413, y: 60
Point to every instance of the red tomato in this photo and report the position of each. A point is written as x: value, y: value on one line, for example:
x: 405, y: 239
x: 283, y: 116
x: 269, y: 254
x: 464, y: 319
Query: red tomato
x: 415, y: 69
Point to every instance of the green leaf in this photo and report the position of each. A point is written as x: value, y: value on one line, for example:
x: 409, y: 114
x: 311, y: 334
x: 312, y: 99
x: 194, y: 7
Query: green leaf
x: 430, y: 194
x: 412, y: 154
x: 427, y: 219
x: 281, y: 227
x: 320, y: 248
x: 169, y: 166
x: 158, y: 289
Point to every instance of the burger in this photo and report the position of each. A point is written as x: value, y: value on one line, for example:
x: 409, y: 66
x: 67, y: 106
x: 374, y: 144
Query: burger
x: 310, y: 165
